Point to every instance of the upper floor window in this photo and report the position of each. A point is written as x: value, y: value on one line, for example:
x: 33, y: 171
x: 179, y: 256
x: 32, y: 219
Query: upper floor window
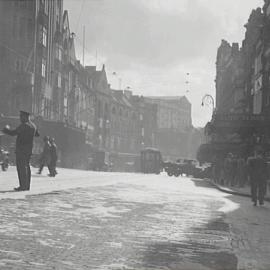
x: 90, y: 82
x: 46, y: 7
x: 44, y: 36
x: 59, y: 81
x: 58, y: 53
x: 43, y: 68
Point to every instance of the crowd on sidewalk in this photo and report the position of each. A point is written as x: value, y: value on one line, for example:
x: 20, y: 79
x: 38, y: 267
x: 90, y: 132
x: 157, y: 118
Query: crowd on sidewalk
x: 241, y: 172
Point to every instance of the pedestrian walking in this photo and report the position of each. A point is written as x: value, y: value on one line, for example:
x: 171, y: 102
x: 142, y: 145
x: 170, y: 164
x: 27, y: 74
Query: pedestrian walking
x: 241, y: 174
x: 228, y: 169
x: 53, y: 154
x: 45, y: 158
x: 217, y: 167
x: 258, y: 175
x: 25, y: 133
x: 234, y: 170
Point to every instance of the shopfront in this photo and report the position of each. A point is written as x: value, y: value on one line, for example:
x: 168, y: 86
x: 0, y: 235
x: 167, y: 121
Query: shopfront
x: 237, y: 134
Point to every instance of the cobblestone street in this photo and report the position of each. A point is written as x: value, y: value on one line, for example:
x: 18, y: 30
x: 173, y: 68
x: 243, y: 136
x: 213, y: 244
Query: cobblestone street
x: 125, y: 221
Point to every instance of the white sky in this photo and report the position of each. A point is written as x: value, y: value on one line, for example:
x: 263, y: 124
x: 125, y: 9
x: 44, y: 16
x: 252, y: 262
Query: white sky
x: 153, y: 44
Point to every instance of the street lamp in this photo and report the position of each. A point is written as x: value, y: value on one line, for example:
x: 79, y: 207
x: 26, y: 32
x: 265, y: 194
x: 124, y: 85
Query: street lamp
x: 208, y: 100
x: 119, y: 80
x: 187, y: 82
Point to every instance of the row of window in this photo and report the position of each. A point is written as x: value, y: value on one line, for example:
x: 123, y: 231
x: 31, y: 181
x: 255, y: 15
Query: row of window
x: 126, y: 114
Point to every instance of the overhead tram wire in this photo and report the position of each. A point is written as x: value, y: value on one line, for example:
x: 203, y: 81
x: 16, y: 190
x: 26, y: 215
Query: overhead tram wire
x: 87, y: 49
x: 81, y: 11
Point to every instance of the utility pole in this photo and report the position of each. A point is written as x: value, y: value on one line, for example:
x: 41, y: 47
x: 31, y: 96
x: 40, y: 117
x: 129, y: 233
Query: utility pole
x: 83, y: 42
x: 33, y: 79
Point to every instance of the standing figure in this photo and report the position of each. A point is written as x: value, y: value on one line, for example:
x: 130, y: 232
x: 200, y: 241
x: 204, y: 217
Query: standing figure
x: 45, y: 158
x: 241, y: 172
x: 25, y: 133
x: 258, y: 174
x: 228, y: 169
x: 234, y: 170
x: 54, y: 157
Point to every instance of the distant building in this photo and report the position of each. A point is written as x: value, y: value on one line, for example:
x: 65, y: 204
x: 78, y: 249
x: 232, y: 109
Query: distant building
x: 147, y: 126
x: 173, y: 125
x: 101, y: 90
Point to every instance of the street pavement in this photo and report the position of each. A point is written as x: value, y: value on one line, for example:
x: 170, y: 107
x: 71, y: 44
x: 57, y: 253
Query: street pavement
x: 97, y: 220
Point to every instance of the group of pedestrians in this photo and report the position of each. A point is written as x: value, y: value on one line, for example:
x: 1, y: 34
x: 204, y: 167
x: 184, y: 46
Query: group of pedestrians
x: 238, y: 171
x: 49, y: 156
x: 230, y: 171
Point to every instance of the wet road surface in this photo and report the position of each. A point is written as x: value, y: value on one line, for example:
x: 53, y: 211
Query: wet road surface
x: 157, y: 223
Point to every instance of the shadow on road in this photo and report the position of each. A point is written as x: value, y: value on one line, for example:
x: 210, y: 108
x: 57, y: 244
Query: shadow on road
x: 195, y: 252
x: 7, y: 191
x: 206, y: 252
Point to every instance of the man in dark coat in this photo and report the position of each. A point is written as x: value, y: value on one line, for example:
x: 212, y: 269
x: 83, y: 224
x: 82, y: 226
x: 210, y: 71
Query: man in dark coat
x: 25, y: 133
x: 53, y: 151
x: 45, y: 158
x: 258, y: 175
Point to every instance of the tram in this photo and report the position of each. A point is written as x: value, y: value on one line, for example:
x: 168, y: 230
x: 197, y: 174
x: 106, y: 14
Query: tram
x: 151, y: 161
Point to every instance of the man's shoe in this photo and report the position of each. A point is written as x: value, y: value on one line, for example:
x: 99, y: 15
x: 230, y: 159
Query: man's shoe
x: 19, y: 189
x: 261, y: 203
x: 255, y: 203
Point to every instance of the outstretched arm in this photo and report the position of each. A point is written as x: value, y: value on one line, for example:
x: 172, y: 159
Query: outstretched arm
x: 11, y: 132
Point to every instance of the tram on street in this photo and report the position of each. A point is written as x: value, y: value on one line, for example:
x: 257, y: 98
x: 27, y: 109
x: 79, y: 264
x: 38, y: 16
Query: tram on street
x: 151, y: 161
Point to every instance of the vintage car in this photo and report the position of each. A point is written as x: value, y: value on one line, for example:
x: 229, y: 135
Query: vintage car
x: 186, y: 167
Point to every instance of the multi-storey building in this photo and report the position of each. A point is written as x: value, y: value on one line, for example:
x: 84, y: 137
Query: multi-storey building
x: 173, y: 125
x: 230, y: 94
x: 39, y: 73
x: 31, y: 57
x: 124, y: 123
x: 239, y: 124
x: 252, y: 62
x: 17, y: 47
x: 147, y: 128
x: 101, y: 89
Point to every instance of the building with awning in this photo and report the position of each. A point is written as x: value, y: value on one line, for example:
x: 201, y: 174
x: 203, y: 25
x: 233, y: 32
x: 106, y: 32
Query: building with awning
x: 235, y: 133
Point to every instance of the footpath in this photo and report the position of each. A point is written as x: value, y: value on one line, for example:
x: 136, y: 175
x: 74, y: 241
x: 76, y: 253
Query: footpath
x: 250, y: 226
x: 243, y: 191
